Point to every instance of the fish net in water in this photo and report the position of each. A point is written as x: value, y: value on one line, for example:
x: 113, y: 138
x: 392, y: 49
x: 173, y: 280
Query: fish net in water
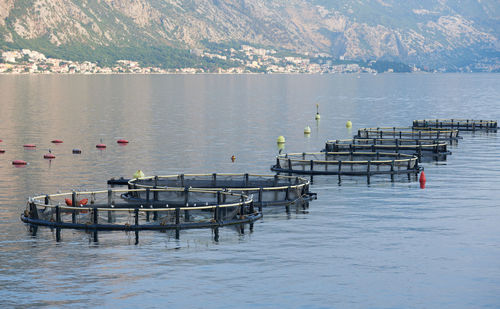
x: 266, y: 190
x: 347, y: 163
x: 437, y: 149
x: 457, y: 124
x: 106, y: 210
x: 408, y: 133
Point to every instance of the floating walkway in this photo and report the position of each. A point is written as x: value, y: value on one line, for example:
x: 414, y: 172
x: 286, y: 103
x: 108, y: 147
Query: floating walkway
x: 347, y: 163
x: 105, y: 211
x: 409, y: 133
x: 422, y: 148
x: 457, y: 124
x: 266, y: 190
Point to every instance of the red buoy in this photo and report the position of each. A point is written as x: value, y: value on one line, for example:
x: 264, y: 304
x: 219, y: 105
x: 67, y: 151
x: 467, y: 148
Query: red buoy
x: 19, y: 162
x: 56, y: 141
x: 122, y: 141
x: 49, y: 156
x: 29, y: 145
x: 422, y: 180
x: 100, y: 146
x: 1, y: 141
x: 82, y: 202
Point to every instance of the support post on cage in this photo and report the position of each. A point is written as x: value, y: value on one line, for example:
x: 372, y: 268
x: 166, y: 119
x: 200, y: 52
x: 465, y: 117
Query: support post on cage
x: 216, y: 234
x: 58, y: 214
x: 219, y: 197
x: 110, y: 216
x: 409, y: 168
x: 95, y: 213
x: 368, y: 171
x: 33, y: 211
x: 261, y: 193
x: 186, y: 196
x: 340, y: 171
x: 217, y: 213
x: 241, y: 208
x: 147, y: 204
x: 155, y: 192
x: 182, y: 180
x: 73, y: 203
x: 110, y: 198
x: 392, y: 170
x: 214, y: 180
x: 136, y: 214
x: 246, y: 179
x: 177, y: 222
x: 110, y: 203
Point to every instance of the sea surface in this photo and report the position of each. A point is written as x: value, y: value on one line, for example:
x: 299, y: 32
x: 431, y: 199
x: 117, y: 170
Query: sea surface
x: 359, y: 245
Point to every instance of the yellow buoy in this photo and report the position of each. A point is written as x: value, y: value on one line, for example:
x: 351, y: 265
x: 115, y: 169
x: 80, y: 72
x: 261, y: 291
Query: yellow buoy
x: 138, y: 174
x: 281, y: 139
x: 348, y: 124
x: 307, y: 130
x: 281, y: 147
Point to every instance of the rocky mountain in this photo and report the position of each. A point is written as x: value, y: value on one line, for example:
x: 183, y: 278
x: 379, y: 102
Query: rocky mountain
x: 430, y: 33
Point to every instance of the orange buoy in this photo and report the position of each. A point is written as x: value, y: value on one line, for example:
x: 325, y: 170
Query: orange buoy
x: 56, y: 141
x: 29, y: 145
x: 68, y: 201
x: 233, y: 158
x: 2, y: 150
x: 19, y: 162
x: 100, y: 146
x: 49, y: 156
x: 83, y: 202
x: 122, y: 141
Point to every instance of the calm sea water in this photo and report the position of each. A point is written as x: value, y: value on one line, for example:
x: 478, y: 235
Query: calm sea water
x: 384, y: 245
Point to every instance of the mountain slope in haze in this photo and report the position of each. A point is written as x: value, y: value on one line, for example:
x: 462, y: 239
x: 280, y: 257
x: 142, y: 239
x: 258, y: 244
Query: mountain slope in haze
x: 433, y: 33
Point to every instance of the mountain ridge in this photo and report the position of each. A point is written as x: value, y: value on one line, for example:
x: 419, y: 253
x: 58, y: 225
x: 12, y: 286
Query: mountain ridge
x: 427, y: 33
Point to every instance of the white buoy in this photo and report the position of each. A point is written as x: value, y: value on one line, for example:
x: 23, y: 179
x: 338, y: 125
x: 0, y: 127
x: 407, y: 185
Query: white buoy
x: 307, y: 130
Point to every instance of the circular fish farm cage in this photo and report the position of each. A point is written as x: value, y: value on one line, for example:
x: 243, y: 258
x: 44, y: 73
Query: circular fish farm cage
x: 107, y: 211
x: 347, y: 163
x: 438, y: 150
x: 266, y: 190
x: 409, y: 133
x: 457, y: 124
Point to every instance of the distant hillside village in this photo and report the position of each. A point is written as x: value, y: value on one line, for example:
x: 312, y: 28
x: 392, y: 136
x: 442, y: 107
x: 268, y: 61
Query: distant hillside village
x: 247, y: 59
